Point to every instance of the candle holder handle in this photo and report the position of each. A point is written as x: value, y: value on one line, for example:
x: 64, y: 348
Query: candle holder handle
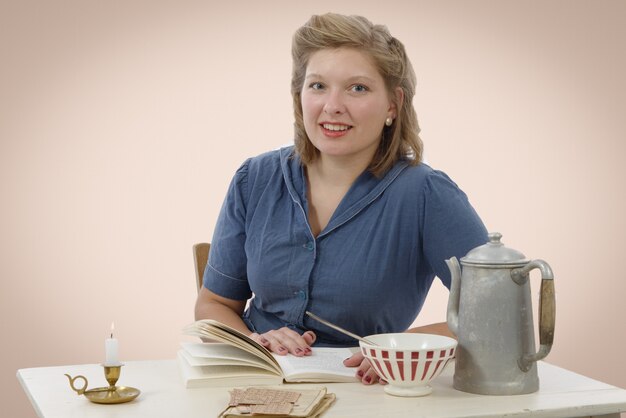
x: 80, y: 391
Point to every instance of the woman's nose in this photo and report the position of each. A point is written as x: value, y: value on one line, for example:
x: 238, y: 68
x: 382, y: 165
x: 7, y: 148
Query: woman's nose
x: 334, y: 104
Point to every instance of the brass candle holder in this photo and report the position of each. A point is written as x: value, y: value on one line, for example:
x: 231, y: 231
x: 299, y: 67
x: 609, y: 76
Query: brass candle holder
x: 111, y: 394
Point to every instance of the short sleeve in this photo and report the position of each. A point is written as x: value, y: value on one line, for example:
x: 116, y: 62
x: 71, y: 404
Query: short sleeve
x: 451, y: 227
x: 226, y: 270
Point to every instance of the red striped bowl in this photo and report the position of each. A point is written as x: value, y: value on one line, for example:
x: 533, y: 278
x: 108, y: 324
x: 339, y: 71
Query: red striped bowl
x: 408, y: 362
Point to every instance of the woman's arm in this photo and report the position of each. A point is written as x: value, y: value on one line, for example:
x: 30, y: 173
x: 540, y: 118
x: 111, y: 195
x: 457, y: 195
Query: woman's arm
x: 440, y: 328
x: 209, y: 305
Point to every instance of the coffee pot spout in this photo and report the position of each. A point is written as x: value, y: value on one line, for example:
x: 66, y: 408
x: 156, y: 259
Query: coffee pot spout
x: 453, y: 299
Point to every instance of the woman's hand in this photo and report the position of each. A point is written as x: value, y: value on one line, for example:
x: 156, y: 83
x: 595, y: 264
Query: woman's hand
x: 364, y: 372
x: 285, y: 340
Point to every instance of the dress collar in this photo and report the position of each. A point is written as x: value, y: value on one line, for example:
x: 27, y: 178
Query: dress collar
x: 365, y: 189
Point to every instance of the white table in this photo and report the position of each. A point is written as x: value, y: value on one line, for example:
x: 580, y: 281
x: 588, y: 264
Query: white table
x: 562, y: 394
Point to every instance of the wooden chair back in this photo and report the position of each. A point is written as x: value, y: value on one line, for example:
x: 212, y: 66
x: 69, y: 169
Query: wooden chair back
x: 200, y: 257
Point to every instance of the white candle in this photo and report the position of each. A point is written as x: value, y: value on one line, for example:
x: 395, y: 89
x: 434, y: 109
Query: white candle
x: 110, y: 347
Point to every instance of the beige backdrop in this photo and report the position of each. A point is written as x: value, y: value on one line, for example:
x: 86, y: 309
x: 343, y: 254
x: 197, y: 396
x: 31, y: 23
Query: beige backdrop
x: 122, y: 122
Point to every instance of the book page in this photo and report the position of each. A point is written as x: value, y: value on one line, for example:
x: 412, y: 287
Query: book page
x: 224, y: 376
x: 208, y: 328
x: 324, y: 365
x: 220, y: 354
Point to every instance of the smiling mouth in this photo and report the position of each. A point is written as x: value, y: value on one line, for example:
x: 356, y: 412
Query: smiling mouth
x: 335, y: 128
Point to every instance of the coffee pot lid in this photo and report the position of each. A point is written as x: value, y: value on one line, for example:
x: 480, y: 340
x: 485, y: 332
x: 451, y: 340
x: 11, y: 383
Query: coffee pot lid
x: 495, y: 253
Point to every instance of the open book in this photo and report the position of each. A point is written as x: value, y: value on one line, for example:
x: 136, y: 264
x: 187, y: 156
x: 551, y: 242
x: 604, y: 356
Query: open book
x: 239, y: 360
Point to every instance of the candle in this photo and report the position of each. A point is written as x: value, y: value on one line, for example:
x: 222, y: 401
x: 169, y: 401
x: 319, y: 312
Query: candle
x: 110, y: 347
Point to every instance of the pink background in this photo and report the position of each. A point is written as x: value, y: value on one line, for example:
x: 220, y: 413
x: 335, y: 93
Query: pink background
x: 122, y: 122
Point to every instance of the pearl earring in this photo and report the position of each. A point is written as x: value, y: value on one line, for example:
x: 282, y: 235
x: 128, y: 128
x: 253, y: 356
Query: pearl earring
x: 388, y: 122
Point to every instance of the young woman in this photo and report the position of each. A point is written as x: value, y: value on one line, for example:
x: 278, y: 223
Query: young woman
x: 349, y: 223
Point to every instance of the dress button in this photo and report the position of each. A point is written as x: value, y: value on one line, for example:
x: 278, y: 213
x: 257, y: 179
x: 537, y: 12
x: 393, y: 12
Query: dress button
x: 301, y: 294
x: 309, y: 246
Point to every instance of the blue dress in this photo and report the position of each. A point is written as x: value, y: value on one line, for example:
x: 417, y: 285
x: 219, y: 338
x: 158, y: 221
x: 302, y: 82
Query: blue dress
x: 368, y: 271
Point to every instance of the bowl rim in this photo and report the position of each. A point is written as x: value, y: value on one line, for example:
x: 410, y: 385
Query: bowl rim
x: 449, y: 342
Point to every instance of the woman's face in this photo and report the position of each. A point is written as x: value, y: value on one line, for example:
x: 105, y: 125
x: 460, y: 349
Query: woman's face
x: 345, y: 103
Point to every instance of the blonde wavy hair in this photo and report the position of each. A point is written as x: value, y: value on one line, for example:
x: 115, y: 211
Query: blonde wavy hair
x: 401, y: 140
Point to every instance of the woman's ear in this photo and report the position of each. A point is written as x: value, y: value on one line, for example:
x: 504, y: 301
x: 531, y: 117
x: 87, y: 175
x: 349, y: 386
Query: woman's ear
x: 396, y: 102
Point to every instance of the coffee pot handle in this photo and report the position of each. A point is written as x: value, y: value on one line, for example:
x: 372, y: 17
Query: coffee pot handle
x: 547, y: 310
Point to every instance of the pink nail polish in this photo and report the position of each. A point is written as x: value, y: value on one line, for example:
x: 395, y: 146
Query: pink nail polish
x: 368, y: 379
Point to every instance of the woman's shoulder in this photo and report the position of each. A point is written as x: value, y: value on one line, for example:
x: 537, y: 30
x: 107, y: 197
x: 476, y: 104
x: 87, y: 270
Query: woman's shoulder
x: 258, y: 171
x: 266, y: 163
x: 422, y: 173
x: 270, y: 160
x: 422, y: 177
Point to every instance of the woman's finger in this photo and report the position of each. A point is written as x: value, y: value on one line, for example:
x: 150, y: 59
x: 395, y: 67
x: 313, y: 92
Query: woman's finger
x: 354, y: 361
x: 260, y: 339
x: 295, y: 343
x: 369, y: 377
x: 275, y: 340
x: 285, y: 340
x: 309, y: 337
x: 363, y: 372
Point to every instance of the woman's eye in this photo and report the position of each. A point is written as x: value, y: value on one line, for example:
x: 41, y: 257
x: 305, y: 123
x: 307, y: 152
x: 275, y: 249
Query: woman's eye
x: 316, y: 86
x: 359, y: 88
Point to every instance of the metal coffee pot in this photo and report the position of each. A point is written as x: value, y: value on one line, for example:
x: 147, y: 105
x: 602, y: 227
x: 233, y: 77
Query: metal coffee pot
x: 490, y: 311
